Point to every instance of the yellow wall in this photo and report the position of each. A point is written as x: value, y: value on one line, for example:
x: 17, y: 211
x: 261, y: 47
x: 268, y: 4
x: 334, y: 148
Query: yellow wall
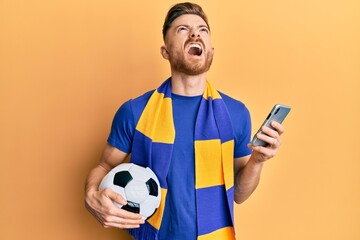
x: 66, y: 66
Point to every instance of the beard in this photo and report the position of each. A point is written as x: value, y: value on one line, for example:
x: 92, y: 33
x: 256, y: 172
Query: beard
x: 190, y: 67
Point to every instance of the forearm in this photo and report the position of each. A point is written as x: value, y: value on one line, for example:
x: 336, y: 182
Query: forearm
x: 94, y: 178
x: 247, y: 179
x: 110, y: 158
x: 247, y: 175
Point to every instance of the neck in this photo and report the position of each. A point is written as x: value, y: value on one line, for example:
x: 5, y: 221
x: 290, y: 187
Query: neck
x: 186, y: 85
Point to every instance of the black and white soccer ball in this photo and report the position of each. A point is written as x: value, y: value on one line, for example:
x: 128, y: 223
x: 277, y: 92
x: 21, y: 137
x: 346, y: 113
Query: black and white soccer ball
x: 138, y: 185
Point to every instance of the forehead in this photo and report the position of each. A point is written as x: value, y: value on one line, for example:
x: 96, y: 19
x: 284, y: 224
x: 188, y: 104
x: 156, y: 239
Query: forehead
x: 189, y: 20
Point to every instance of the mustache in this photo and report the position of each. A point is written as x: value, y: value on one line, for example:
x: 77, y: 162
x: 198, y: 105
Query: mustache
x: 198, y: 40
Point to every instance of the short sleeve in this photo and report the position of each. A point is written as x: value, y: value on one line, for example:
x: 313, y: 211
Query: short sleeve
x: 242, y: 133
x: 122, y: 128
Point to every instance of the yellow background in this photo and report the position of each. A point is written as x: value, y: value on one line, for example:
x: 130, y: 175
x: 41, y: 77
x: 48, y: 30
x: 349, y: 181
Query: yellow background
x: 66, y: 66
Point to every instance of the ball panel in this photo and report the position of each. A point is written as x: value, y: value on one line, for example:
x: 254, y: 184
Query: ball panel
x: 136, y: 191
x: 132, y: 207
x: 139, y: 173
x: 149, y: 206
x: 152, y: 187
x: 122, y: 178
x: 148, y: 212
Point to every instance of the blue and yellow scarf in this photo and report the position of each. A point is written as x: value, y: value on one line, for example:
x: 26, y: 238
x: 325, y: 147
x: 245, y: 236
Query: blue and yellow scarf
x: 214, y: 146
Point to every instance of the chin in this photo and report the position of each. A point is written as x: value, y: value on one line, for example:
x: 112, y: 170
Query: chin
x: 192, y: 68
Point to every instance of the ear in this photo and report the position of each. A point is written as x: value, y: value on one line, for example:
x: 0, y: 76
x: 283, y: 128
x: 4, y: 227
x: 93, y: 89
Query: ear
x: 212, y: 51
x: 164, y: 52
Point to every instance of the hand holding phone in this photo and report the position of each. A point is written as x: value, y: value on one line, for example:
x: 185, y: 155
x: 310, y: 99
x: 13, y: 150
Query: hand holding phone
x: 277, y: 114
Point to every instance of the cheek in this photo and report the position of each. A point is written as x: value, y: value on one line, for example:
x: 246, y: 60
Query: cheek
x: 210, y: 49
x: 177, y: 41
x: 208, y: 44
x: 175, y: 48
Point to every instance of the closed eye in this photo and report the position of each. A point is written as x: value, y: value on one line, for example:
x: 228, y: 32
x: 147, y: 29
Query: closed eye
x: 182, y: 28
x: 204, y: 29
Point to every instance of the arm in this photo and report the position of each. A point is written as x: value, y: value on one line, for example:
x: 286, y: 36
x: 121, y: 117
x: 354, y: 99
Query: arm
x: 247, y: 170
x: 100, y: 203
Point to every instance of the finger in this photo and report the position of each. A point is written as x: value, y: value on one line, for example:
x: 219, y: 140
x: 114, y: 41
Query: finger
x: 117, y: 211
x: 265, y: 153
x: 113, y: 210
x: 279, y: 128
x: 120, y: 225
x: 115, y: 220
x: 270, y: 132
x: 129, y: 215
x: 272, y: 141
x: 115, y: 196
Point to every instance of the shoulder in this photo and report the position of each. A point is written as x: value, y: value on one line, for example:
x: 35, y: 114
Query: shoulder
x: 124, y: 122
x: 239, y: 114
x: 234, y: 105
x: 142, y: 98
x: 137, y: 105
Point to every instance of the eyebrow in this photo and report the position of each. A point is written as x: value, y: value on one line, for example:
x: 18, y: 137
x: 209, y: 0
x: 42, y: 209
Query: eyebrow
x: 203, y: 26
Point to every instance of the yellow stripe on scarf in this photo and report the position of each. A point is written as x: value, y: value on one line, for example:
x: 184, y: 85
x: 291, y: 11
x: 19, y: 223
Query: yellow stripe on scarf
x: 227, y: 149
x: 156, y: 121
x: 211, y: 92
x: 221, y: 234
x: 211, y: 158
x: 208, y: 165
x: 155, y: 220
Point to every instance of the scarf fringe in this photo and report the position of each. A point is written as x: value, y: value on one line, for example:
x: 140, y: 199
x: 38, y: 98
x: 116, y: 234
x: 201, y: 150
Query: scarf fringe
x: 144, y: 232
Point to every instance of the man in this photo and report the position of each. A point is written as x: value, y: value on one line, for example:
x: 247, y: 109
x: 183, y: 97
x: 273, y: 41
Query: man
x: 193, y: 137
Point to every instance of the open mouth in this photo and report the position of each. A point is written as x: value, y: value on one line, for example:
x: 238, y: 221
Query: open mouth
x: 195, y: 49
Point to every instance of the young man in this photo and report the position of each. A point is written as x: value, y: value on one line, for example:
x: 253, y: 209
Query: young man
x: 193, y: 137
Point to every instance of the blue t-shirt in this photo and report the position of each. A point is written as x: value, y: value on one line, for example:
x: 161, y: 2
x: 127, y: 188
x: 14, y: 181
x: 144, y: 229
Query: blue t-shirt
x: 179, y: 219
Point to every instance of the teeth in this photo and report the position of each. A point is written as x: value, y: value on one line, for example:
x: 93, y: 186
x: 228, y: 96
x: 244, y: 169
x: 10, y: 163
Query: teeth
x: 195, y: 45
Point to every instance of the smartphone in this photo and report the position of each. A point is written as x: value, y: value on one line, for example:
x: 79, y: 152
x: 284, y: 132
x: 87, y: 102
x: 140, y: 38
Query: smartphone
x: 277, y: 114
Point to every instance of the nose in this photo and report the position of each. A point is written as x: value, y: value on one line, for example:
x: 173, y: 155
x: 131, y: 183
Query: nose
x: 194, y: 34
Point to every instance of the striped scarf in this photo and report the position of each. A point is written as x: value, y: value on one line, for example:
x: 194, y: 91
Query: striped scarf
x: 214, y: 144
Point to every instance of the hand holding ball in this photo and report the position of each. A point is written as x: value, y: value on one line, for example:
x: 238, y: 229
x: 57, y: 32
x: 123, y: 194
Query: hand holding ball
x: 138, y: 185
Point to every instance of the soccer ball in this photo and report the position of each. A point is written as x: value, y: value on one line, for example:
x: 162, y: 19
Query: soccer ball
x: 138, y: 185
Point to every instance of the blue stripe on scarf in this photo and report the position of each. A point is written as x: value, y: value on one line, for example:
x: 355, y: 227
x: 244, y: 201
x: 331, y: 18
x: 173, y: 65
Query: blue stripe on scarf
x: 208, y: 130
x: 227, y: 132
x: 155, y: 158
x: 212, y: 214
x: 146, y: 232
